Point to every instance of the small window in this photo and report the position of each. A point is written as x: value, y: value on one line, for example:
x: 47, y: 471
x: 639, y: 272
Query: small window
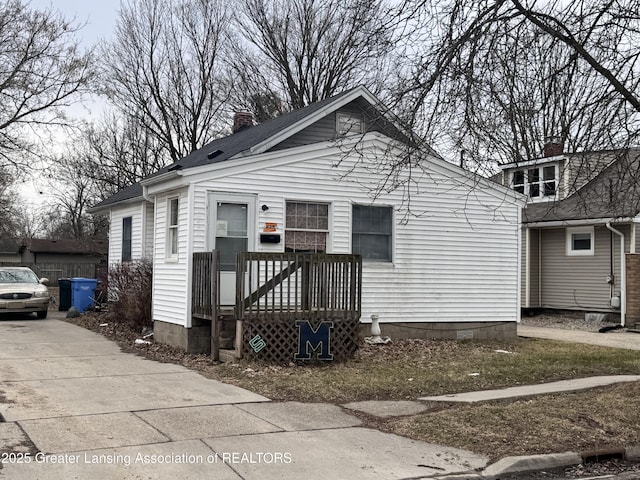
x: 518, y: 181
x: 126, y: 239
x: 580, y: 241
x: 307, y: 227
x: 372, y: 231
x: 172, y: 228
x: 533, y: 176
x: 349, y: 123
x: 549, y: 181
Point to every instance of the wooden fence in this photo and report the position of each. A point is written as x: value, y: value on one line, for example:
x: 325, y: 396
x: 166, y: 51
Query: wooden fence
x: 54, y: 271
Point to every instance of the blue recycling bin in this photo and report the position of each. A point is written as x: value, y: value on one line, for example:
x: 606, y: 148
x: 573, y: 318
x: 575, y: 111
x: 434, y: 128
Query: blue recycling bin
x: 82, y: 291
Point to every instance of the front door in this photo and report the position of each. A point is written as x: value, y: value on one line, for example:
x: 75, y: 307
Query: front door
x: 231, y: 230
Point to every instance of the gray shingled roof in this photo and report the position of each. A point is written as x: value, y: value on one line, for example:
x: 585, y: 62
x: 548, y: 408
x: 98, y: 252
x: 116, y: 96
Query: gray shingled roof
x: 614, y: 193
x: 227, y: 147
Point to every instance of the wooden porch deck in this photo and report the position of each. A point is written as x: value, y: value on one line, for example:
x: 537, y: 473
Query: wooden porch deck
x: 274, y: 291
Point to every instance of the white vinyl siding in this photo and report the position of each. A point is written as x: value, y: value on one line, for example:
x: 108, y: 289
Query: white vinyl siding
x: 578, y: 282
x: 135, y: 212
x: 170, y: 275
x: 455, y: 262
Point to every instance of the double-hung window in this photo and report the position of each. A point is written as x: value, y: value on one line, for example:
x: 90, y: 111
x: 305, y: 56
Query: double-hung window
x: 372, y: 232
x: 307, y: 227
x: 172, y: 227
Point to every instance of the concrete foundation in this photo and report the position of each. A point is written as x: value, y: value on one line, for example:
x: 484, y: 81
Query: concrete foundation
x: 196, y: 339
x: 439, y: 330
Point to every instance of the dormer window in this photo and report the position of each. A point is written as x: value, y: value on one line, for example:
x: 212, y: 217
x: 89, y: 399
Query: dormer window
x: 536, y: 182
x: 349, y: 124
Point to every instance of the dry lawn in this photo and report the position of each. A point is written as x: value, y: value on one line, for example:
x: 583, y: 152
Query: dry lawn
x: 583, y: 421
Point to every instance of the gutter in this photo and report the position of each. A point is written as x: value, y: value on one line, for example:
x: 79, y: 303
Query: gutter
x: 623, y: 275
x: 146, y: 183
x: 585, y: 221
x: 159, y: 178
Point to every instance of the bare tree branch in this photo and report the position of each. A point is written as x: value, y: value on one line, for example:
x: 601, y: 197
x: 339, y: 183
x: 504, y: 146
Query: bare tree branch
x: 164, y: 69
x: 41, y: 70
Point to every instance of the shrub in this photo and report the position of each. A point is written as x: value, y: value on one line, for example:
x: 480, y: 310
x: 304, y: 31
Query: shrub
x: 130, y: 293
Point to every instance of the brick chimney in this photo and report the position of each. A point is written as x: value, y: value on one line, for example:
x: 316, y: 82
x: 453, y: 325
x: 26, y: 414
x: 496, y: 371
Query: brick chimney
x: 242, y: 120
x: 553, y: 146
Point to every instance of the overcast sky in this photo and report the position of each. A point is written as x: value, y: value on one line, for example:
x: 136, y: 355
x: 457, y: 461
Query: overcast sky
x: 99, y: 19
x: 99, y: 16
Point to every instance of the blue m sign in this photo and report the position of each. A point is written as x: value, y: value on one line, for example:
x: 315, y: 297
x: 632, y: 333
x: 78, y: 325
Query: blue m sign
x: 311, y: 340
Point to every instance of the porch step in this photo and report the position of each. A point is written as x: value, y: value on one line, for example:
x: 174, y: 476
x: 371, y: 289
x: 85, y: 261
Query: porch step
x: 227, y: 355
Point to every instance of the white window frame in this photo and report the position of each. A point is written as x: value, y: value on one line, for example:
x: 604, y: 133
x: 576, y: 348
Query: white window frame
x: 352, y: 120
x: 391, y: 234
x: 540, y: 183
x: 570, y: 232
x: 326, y: 231
x: 172, y: 229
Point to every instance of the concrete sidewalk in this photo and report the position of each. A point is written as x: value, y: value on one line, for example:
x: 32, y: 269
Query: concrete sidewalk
x: 614, y: 339
x: 536, y: 389
x: 94, y: 412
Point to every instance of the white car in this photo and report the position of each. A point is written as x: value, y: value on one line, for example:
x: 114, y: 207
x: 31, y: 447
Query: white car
x: 21, y: 291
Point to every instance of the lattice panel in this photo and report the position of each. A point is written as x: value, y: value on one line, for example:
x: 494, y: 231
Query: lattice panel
x: 281, y: 340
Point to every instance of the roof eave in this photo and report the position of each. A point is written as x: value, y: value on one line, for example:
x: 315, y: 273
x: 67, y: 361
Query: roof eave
x: 100, y: 208
x: 581, y: 222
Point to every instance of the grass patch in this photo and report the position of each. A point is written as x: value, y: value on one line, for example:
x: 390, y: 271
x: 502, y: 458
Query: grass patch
x: 415, y: 368
x: 590, y: 420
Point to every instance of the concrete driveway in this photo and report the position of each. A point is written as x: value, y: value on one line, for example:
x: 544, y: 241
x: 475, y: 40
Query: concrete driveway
x: 93, y: 412
x: 614, y: 339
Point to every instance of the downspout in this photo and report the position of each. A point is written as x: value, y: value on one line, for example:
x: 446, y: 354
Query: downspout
x: 145, y: 193
x: 623, y: 275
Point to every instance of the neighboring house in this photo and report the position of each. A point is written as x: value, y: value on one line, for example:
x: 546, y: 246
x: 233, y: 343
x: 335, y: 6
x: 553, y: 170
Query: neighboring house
x: 450, y: 270
x: 582, y: 208
x: 10, y: 251
x: 55, y: 258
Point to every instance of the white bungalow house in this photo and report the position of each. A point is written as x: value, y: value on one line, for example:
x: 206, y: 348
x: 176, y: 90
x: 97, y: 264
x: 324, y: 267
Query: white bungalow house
x: 450, y: 268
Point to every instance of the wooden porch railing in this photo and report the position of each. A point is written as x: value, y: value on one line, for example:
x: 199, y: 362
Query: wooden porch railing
x: 278, y: 289
x: 205, y: 294
x: 304, y: 286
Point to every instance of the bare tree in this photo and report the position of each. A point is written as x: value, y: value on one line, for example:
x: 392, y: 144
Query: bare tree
x: 117, y: 152
x: 164, y: 69
x: 72, y: 194
x: 307, y: 50
x: 42, y: 69
x: 498, y: 76
x: 9, y: 224
x: 101, y: 160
